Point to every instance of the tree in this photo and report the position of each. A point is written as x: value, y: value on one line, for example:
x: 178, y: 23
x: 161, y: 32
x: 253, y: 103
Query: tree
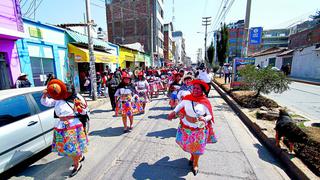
x: 210, y: 53
x: 222, y: 45
x: 316, y: 17
x: 263, y: 80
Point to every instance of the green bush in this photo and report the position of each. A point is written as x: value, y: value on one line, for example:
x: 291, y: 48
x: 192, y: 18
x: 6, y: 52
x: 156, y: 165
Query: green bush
x: 263, y: 80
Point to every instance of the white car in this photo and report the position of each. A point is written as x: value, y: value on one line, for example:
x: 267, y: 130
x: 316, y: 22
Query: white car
x: 26, y: 126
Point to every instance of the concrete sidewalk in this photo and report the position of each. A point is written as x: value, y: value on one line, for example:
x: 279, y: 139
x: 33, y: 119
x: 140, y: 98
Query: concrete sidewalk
x: 306, y: 80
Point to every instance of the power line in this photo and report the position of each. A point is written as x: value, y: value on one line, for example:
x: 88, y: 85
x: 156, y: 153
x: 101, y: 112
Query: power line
x: 216, y: 17
x: 29, y: 9
x: 36, y: 9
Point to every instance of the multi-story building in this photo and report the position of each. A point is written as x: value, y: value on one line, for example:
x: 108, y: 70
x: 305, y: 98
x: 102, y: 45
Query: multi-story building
x: 236, y: 36
x: 138, y: 21
x: 168, y: 43
x: 180, y: 52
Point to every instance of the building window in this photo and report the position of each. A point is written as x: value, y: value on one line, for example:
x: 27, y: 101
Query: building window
x: 41, y: 67
x: 160, y: 43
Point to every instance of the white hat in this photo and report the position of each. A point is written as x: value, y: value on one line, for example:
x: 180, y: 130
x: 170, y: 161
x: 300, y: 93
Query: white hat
x: 23, y: 74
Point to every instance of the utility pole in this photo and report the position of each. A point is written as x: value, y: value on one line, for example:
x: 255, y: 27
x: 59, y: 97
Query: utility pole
x: 106, y: 4
x: 246, y: 29
x: 91, y: 55
x: 151, y: 31
x: 205, y: 22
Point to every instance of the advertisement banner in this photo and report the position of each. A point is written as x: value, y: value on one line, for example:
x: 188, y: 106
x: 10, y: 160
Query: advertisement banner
x: 255, y: 35
x: 238, y: 64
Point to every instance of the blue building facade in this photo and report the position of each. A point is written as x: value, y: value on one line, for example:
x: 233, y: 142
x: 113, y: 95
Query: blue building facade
x: 42, y: 51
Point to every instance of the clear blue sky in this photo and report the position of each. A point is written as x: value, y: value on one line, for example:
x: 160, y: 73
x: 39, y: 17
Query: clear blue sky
x: 266, y: 13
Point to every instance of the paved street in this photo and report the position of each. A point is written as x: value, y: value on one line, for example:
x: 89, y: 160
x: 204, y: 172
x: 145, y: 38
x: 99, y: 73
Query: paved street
x: 304, y: 99
x: 150, y: 151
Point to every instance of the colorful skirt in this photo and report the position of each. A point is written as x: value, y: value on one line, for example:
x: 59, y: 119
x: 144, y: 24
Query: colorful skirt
x: 69, y: 140
x: 192, y: 141
x: 129, y: 107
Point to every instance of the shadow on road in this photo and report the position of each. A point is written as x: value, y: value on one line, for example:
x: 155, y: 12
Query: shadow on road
x: 163, y: 169
x: 101, y: 111
x: 160, y: 109
x: 160, y: 116
x: 264, y: 155
x: 167, y: 133
x: 108, y: 132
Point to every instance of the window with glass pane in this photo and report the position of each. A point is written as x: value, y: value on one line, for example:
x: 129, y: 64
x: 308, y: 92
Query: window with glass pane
x: 13, y: 109
x: 41, y: 66
x: 37, y: 97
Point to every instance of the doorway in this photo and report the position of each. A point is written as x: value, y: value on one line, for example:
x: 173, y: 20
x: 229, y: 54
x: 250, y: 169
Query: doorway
x: 5, y: 82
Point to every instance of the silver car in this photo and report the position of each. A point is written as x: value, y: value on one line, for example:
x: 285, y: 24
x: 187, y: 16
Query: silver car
x: 25, y: 125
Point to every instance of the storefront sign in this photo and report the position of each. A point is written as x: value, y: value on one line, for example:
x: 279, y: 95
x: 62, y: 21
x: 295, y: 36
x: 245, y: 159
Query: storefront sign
x: 238, y: 64
x: 35, y: 32
x: 255, y: 35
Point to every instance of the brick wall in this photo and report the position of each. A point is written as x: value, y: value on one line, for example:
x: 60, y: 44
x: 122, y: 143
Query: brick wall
x: 305, y: 38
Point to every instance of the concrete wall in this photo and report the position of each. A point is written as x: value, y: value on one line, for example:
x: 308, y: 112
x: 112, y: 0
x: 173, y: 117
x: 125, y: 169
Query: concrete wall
x: 306, y: 63
x: 10, y: 18
x: 263, y: 61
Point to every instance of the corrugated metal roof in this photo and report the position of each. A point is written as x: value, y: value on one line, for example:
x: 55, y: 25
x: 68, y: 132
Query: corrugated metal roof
x: 81, y: 38
x: 285, y: 53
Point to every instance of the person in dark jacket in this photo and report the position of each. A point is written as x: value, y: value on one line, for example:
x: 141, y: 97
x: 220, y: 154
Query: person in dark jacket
x: 112, y: 84
x: 23, y: 81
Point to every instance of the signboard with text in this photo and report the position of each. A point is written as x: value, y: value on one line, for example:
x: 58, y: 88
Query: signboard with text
x: 255, y: 35
x: 239, y: 63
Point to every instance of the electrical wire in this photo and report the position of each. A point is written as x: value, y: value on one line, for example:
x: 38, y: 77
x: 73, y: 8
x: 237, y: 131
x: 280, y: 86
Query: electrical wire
x: 29, y: 9
x: 36, y: 8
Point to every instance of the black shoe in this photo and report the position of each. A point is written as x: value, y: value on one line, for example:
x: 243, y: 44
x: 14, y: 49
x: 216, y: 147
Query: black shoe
x: 190, y: 163
x: 82, y: 159
x: 195, y: 171
x: 130, y: 128
x: 75, y: 171
x: 125, y: 131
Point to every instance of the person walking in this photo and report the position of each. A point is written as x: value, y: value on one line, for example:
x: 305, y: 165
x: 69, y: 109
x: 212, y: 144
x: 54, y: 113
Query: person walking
x: 69, y: 136
x: 22, y: 81
x: 195, y: 129
x: 142, y: 87
x: 125, y: 104
x: 227, y: 73
x: 204, y: 76
x: 104, y: 83
x: 112, y: 84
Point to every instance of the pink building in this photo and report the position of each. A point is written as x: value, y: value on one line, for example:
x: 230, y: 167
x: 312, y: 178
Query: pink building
x: 11, y: 29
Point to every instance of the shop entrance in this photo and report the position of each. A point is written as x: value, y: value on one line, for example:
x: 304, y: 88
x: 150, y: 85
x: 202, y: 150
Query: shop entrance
x: 84, y: 71
x: 5, y: 82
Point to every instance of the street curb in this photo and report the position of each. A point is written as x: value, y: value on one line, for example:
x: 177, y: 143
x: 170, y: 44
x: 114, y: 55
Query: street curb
x: 292, y: 170
x: 95, y: 104
x: 306, y: 82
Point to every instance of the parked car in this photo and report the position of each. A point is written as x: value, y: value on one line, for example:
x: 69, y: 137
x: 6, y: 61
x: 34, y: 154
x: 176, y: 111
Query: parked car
x: 26, y: 126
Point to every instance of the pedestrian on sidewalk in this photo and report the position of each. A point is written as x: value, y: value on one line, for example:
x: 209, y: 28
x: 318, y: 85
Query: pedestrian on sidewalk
x: 125, y: 102
x: 195, y: 129
x: 22, y: 81
x: 112, y: 84
x: 227, y: 70
x: 69, y: 137
x: 104, y: 83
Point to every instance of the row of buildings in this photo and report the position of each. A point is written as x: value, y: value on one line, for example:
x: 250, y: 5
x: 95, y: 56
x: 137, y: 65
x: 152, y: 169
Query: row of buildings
x: 298, y: 46
x: 143, y: 21
x: 38, y: 49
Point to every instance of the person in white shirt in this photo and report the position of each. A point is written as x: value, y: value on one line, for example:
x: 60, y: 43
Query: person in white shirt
x: 204, y: 76
x: 227, y: 70
x: 196, y: 119
x: 69, y: 136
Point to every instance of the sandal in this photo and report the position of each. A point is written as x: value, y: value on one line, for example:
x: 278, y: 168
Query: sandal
x: 195, y: 171
x: 75, y: 171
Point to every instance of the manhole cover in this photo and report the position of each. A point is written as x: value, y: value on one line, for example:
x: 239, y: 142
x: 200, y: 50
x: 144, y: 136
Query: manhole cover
x: 315, y: 124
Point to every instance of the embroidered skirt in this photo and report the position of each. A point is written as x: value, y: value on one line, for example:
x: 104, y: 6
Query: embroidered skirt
x: 69, y: 138
x: 192, y: 141
x: 128, y: 107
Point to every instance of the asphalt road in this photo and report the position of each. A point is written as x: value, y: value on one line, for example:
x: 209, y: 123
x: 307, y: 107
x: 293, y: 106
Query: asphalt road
x: 150, y: 151
x: 303, y: 99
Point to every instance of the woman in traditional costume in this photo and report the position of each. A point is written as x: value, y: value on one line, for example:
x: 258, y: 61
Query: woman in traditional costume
x: 69, y: 136
x: 195, y: 129
x: 142, y: 87
x: 126, y: 100
x: 173, y: 90
x: 185, y: 88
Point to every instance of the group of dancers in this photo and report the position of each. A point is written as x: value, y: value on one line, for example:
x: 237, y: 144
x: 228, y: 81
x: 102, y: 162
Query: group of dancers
x: 187, y: 100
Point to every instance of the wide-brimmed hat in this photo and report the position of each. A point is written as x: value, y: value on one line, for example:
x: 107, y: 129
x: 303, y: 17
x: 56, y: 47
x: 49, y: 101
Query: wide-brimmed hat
x: 140, y: 73
x: 23, y: 74
x: 57, y: 89
x: 200, y: 82
x: 187, y: 77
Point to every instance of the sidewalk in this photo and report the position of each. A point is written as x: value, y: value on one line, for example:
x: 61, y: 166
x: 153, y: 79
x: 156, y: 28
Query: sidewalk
x: 306, y: 80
